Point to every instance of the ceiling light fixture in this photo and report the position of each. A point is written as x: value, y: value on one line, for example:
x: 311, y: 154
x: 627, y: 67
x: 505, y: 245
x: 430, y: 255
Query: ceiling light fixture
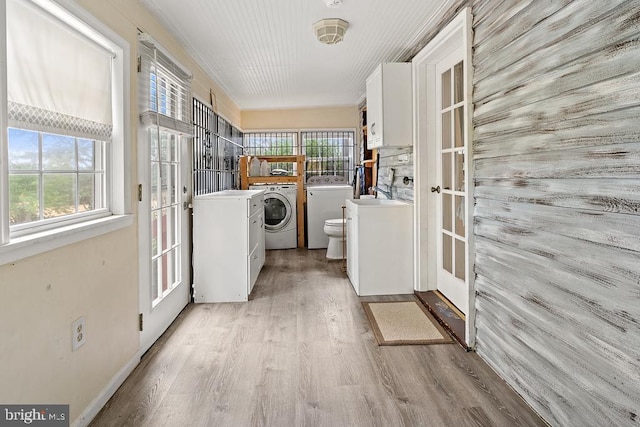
x: 333, y: 3
x: 330, y: 31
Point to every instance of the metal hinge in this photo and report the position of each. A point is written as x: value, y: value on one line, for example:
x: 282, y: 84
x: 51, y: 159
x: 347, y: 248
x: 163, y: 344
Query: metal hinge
x: 140, y: 322
x: 139, y: 192
x: 139, y: 63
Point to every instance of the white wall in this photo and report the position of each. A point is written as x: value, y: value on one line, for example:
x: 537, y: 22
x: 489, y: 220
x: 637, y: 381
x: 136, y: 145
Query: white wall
x: 41, y: 296
x: 302, y: 118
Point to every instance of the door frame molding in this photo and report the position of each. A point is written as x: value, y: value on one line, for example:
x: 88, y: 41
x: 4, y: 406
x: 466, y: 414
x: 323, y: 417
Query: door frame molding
x: 457, y: 33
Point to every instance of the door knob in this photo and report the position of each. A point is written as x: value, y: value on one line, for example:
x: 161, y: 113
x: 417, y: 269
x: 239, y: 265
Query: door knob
x: 435, y: 189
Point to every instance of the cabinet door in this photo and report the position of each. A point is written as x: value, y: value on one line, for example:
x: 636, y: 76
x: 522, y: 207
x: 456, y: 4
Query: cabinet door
x: 374, y: 109
x: 256, y: 230
x: 352, y: 250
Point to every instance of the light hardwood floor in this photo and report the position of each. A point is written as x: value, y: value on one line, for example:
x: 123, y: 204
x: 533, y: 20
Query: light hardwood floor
x: 301, y: 352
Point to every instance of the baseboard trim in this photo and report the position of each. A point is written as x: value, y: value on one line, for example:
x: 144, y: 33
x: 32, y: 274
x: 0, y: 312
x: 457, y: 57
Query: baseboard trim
x: 96, y: 404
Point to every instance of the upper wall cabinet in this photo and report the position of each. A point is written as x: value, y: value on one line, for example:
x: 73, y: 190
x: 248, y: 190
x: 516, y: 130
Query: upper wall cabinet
x: 389, y: 112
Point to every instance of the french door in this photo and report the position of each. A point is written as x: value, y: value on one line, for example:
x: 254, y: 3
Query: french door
x: 164, y: 231
x: 451, y: 186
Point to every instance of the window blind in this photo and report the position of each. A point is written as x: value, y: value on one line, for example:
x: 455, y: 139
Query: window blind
x: 58, y: 80
x: 165, y: 89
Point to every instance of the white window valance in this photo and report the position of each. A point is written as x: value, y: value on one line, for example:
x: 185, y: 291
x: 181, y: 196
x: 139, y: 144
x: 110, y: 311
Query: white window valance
x: 58, y: 79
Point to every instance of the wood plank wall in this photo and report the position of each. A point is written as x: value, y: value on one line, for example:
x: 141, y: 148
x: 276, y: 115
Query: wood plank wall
x: 557, y: 214
x: 390, y: 159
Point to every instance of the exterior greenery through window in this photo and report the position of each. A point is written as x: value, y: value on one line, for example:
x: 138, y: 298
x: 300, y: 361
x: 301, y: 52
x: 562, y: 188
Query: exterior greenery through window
x: 272, y: 144
x: 328, y: 152
x: 60, y: 107
x: 53, y: 175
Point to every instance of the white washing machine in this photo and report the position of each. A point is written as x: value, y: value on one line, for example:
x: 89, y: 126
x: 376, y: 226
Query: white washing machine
x: 280, y: 215
x: 324, y: 202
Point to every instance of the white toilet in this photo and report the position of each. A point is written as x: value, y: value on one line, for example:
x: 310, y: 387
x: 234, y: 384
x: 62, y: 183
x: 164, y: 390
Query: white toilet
x: 334, y: 229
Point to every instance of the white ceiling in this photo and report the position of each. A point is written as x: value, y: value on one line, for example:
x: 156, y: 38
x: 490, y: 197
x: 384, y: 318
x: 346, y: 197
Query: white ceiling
x: 265, y: 55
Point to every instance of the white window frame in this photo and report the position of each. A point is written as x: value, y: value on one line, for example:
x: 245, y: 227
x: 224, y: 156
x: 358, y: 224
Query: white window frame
x: 14, y: 248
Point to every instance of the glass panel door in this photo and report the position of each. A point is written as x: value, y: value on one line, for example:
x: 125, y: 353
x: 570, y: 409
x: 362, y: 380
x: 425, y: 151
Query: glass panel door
x: 452, y: 152
x: 166, y: 221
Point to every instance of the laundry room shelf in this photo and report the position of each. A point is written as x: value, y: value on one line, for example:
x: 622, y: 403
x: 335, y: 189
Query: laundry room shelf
x: 246, y: 181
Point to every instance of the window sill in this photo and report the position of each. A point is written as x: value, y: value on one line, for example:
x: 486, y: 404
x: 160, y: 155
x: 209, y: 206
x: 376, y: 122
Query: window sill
x: 34, y: 244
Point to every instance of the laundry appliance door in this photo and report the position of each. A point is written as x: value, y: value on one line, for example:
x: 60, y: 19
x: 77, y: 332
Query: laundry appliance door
x: 277, y: 212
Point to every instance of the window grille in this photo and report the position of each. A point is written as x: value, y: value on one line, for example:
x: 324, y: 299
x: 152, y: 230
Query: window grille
x: 272, y: 144
x: 328, y: 153
x: 217, y: 148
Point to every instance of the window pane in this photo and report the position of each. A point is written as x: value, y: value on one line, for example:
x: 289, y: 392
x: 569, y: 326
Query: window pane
x: 155, y: 245
x: 86, y: 155
x: 446, y: 130
x: 447, y: 258
x: 460, y: 216
x: 174, y: 183
x: 86, y: 192
x: 166, y: 222
x: 446, y: 211
x: 459, y: 170
x: 164, y: 147
x: 458, y: 127
x: 155, y: 187
x: 24, y: 199
x: 173, y: 147
x: 166, y: 189
x: 59, y: 191
x: 446, y: 89
x: 329, y: 153
x: 458, y: 93
x: 155, y: 265
x: 58, y: 152
x: 23, y: 150
x: 154, y: 151
x: 164, y: 275
x: 460, y: 259
x: 446, y: 171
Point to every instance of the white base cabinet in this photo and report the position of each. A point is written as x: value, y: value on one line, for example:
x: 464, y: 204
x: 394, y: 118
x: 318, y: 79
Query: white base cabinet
x: 228, y: 244
x: 380, y: 246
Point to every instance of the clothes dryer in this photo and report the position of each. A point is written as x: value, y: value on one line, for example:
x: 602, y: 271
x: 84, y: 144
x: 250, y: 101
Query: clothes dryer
x: 280, y: 215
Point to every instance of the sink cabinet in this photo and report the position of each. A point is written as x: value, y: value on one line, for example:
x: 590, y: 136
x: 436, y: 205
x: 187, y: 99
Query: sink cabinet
x: 389, y: 108
x: 380, y: 246
x: 228, y: 244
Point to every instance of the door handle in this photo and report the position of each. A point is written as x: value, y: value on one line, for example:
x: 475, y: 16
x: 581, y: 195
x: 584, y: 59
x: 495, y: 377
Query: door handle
x: 435, y: 189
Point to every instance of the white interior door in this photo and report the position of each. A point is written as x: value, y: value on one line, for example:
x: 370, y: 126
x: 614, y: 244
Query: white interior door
x: 442, y: 82
x: 451, y: 184
x: 164, y: 231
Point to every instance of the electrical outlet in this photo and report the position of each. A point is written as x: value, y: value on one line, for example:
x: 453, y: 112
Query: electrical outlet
x: 78, y: 334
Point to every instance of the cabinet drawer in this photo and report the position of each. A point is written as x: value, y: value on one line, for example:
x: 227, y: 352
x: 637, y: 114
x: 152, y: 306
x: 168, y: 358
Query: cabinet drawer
x: 256, y: 260
x: 256, y: 204
x: 256, y: 230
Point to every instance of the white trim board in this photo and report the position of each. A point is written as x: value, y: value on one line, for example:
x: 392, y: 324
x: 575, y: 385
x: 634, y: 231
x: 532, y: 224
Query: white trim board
x: 109, y: 390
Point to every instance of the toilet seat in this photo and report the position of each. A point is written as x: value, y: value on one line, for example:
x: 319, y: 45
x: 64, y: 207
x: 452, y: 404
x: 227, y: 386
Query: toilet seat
x: 335, y: 222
